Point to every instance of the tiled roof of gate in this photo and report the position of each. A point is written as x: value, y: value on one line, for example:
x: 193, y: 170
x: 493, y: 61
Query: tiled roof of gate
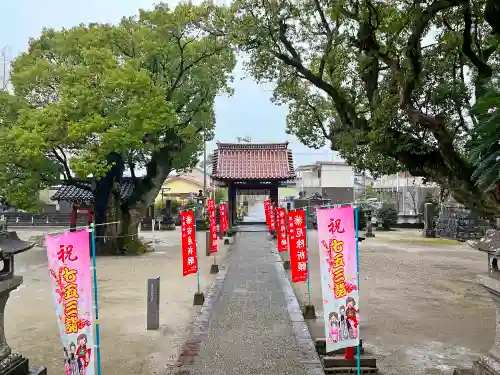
x: 78, y: 194
x: 253, y: 161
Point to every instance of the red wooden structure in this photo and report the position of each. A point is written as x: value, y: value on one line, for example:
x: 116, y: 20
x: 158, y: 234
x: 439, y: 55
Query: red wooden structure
x: 81, y: 199
x: 252, y: 168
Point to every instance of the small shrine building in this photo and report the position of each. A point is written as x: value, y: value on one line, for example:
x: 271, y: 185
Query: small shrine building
x: 252, y: 169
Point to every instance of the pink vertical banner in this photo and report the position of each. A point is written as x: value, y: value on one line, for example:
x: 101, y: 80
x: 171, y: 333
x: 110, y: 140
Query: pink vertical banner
x: 339, y: 276
x: 69, y: 266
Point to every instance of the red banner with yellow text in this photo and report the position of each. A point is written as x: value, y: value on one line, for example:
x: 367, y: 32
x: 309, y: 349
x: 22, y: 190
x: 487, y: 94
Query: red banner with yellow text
x: 298, y: 245
x: 189, y: 256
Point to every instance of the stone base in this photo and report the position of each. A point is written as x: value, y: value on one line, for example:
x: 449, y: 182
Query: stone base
x: 199, y: 299
x: 38, y: 371
x: 369, y: 234
x: 429, y: 233
x: 226, y: 241
x: 16, y: 364
x: 309, y: 312
x: 286, y: 264
x: 487, y: 365
x: 214, y: 268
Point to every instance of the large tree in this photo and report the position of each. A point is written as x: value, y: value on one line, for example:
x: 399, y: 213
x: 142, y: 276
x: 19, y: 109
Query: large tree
x: 101, y: 99
x: 390, y: 84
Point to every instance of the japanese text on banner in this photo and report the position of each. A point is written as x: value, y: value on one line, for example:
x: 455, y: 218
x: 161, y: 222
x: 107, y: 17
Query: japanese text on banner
x: 281, y: 229
x: 223, y: 220
x: 298, y: 245
x: 69, y: 267
x: 214, y: 243
x: 339, y: 276
x: 272, y: 219
x: 188, y: 230
x: 267, y: 203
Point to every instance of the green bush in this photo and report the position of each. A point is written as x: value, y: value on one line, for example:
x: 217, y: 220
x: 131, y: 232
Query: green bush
x: 388, y: 216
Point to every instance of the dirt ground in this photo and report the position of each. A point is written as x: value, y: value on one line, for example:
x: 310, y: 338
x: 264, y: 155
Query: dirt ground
x: 421, y: 310
x: 126, y: 346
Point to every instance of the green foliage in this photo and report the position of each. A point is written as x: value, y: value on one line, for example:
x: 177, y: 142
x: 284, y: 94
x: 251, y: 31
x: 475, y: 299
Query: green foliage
x: 220, y: 195
x: 144, y: 89
x: 388, y: 215
x: 383, y: 83
x: 485, y: 144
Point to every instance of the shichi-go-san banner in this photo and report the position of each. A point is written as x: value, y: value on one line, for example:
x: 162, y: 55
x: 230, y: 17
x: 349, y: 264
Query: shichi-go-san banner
x: 188, y: 243
x: 69, y: 266
x: 339, y: 276
x: 214, y: 243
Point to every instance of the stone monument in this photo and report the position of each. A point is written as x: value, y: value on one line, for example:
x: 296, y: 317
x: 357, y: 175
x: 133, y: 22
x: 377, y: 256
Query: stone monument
x: 489, y: 364
x: 11, y: 363
x: 369, y: 224
x: 429, y: 212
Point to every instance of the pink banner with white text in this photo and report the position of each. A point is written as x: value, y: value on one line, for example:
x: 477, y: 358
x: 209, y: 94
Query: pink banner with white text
x: 339, y: 276
x: 69, y: 266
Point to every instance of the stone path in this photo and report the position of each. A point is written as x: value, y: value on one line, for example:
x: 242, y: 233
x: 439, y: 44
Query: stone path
x: 251, y: 330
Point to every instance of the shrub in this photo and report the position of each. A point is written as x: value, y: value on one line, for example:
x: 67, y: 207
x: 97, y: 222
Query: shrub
x: 388, y: 216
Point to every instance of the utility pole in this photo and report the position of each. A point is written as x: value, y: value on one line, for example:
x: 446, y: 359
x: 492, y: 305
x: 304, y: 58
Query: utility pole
x: 207, y: 137
x: 4, y: 60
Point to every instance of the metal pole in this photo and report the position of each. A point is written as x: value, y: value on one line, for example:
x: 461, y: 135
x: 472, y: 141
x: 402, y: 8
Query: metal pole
x: 204, y: 164
x: 307, y: 249
x: 197, y: 257
x: 358, y: 349
x: 96, y: 301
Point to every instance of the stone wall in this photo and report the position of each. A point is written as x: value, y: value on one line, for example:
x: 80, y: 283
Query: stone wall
x: 458, y: 223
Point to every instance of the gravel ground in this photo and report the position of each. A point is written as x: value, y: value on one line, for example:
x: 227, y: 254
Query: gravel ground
x: 250, y: 331
x: 126, y: 346
x: 421, y: 310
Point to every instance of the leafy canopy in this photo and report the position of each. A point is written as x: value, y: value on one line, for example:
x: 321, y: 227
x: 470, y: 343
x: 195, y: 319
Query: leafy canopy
x: 143, y: 89
x: 388, y: 83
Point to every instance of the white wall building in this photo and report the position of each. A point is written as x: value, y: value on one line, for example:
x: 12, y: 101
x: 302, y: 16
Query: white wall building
x: 408, y: 191
x: 333, y: 180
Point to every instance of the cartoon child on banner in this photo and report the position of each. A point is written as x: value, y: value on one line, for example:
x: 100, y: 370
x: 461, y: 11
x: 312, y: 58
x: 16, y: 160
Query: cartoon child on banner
x: 352, y: 317
x: 72, y: 367
x: 334, y: 326
x: 344, y: 329
x: 83, y: 353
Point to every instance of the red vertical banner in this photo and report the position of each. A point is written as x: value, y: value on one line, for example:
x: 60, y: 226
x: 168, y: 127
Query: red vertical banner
x: 298, y: 245
x: 212, y: 225
x: 223, y: 220
x: 267, y: 203
x: 281, y: 229
x: 271, y: 218
x: 189, y: 257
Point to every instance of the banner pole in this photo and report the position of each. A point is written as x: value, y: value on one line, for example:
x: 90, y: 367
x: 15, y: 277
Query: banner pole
x: 97, y: 333
x: 307, y: 249
x: 358, y: 350
x: 197, y: 258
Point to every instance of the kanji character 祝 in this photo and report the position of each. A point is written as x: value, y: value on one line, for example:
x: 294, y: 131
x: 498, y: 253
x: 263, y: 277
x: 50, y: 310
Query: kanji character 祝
x: 334, y: 226
x: 66, y: 253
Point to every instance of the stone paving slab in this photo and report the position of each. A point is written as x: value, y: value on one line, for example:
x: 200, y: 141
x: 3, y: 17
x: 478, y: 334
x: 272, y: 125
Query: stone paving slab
x: 249, y: 330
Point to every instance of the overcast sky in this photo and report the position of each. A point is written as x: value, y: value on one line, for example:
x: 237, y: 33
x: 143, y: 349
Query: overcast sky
x: 248, y: 113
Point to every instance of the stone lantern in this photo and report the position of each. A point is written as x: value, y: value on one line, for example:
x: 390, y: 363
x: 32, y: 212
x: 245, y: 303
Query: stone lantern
x: 11, y: 363
x: 490, y: 244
